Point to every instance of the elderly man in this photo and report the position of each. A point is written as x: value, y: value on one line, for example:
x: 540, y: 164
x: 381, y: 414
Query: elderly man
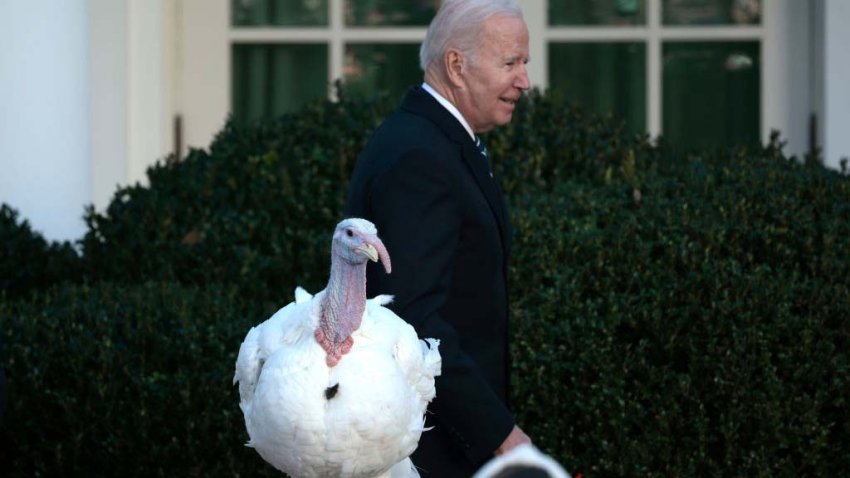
x: 425, y: 180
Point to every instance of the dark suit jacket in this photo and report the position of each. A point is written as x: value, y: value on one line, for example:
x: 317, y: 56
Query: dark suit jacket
x: 442, y: 217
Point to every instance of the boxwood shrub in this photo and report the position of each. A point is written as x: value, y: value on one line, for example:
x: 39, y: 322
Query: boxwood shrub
x: 675, y: 313
x: 28, y: 261
x: 126, y: 380
x: 702, y: 331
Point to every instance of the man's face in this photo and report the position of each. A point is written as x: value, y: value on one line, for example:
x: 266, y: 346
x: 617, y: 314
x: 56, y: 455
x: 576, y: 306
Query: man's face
x: 497, y: 77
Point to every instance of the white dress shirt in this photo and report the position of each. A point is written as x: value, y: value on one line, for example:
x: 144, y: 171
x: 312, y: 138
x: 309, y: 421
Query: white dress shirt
x: 447, y: 105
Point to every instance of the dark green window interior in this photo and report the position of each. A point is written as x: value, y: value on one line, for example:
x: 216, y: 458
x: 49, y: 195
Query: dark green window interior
x: 397, y: 13
x: 711, y: 93
x: 372, y: 68
x: 597, y: 12
x: 603, y: 78
x: 711, y: 12
x: 289, y: 13
x: 270, y: 80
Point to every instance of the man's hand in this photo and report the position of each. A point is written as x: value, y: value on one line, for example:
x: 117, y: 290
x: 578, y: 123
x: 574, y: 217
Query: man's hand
x: 516, y: 437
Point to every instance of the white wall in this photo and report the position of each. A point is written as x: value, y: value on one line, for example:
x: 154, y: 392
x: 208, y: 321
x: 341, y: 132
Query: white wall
x: 44, y: 113
x: 85, y: 104
x: 836, y: 87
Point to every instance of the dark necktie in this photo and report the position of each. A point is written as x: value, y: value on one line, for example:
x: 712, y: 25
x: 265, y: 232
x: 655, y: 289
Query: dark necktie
x: 483, y: 150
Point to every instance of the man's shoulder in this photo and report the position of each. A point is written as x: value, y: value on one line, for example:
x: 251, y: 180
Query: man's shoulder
x: 412, y: 121
x: 405, y: 145
x: 419, y: 132
x: 406, y: 131
x: 420, y: 119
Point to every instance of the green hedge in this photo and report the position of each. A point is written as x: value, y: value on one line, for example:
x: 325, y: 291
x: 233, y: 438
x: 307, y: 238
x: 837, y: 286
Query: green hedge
x: 701, y: 332
x: 27, y: 261
x: 118, y: 380
x: 674, y: 313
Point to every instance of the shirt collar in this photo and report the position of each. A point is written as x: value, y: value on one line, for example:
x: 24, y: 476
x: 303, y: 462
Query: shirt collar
x: 450, y: 107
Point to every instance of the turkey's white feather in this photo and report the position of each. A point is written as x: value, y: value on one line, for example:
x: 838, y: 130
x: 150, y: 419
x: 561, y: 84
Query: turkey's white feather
x: 382, y: 388
x: 302, y: 295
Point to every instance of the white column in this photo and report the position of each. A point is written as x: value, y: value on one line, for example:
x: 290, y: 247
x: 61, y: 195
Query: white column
x: 44, y: 114
x: 108, y: 67
x: 836, y: 99
x: 133, y: 55
x: 204, y: 69
x: 147, y: 117
x: 786, y: 77
x: 336, y: 45
x: 654, y: 70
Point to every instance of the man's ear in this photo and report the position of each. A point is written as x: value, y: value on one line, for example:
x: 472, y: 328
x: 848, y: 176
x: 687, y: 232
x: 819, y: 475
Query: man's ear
x: 454, y: 63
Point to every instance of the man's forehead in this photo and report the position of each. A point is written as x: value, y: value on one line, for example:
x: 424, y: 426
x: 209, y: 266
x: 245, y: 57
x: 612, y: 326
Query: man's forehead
x: 509, y: 30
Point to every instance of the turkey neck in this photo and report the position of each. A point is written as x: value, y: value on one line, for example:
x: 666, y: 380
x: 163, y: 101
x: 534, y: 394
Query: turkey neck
x: 344, y: 301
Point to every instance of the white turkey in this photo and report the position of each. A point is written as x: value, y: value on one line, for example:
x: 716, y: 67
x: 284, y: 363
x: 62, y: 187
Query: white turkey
x: 335, y: 385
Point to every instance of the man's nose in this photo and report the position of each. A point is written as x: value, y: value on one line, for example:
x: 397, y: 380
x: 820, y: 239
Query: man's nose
x: 522, y: 82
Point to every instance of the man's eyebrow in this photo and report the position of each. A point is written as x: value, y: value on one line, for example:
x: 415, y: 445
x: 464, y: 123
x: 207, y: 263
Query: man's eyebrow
x: 513, y: 58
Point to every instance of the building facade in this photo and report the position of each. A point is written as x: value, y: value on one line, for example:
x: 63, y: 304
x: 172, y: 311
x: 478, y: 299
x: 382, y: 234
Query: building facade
x: 92, y: 92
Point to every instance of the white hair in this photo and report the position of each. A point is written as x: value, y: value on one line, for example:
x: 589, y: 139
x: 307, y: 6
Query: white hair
x: 458, y: 24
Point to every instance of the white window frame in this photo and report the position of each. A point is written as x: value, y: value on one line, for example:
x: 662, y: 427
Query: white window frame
x: 336, y: 35
x: 654, y: 34
x: 785, y: 90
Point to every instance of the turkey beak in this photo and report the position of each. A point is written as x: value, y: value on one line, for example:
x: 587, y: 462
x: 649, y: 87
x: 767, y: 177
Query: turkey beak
x: 374, y: 249
x: 369, y: 251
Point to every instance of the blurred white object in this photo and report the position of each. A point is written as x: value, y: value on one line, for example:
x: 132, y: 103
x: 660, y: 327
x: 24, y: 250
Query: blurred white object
x: 522, y: 461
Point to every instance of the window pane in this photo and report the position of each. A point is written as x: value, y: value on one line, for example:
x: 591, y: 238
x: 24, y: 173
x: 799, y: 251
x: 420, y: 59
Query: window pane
x: 278, y: 12
x: 711, y: 12
x: 390, y: 12
x: 603, y: 78
x: 597, y: 12
x: 270, y: 80
x: 380, y: 67
x: 711, y: 93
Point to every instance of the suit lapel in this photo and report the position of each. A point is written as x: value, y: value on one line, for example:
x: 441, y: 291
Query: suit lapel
x: 420, y: 102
